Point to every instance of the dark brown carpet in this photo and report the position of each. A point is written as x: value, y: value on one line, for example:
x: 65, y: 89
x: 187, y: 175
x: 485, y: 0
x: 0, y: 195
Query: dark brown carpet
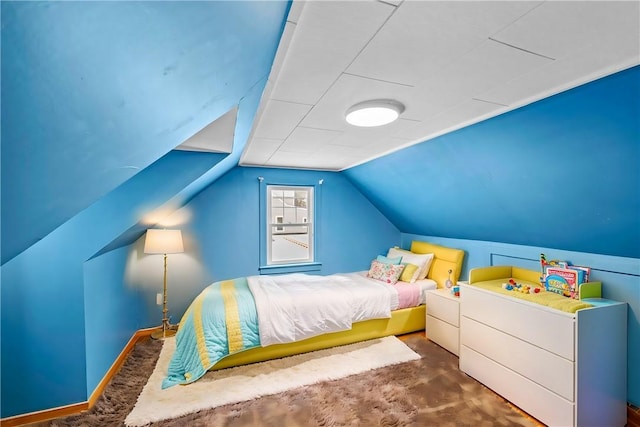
x: 426, y: 392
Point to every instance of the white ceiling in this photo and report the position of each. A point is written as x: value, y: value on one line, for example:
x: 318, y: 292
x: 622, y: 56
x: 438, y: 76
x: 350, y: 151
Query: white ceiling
x: 451, y: 63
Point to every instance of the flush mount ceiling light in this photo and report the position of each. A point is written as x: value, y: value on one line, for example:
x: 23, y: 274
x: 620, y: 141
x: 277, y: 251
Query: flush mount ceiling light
x: 374, y: 113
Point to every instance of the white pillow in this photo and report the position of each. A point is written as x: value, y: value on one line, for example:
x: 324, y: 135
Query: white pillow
x: 423, y: 261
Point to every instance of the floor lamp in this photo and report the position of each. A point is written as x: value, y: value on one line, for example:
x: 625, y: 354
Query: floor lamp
x: 163, y: 242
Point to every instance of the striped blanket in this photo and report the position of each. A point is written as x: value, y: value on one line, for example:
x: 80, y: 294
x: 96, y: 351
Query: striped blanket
x: 216, y: 332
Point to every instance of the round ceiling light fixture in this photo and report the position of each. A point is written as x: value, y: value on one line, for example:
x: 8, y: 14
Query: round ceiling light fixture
x: 377, y: 112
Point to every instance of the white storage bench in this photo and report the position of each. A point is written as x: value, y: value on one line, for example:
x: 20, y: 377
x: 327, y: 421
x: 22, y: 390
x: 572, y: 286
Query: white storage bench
x: 564, y: 369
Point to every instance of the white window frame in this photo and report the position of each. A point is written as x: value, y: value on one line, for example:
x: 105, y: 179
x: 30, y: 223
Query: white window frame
x: 306, y: 221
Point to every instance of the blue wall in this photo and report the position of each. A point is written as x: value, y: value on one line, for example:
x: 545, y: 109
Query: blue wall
x: 620, y: 277
x: 561, y: 173
x: 45, y: 357
x: 112, y: 312
x: 94, y: 92
x: 95, y: 96
x: 225, y: 226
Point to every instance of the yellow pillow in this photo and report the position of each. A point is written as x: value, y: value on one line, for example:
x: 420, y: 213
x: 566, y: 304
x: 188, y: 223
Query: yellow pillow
x: 408, y: 273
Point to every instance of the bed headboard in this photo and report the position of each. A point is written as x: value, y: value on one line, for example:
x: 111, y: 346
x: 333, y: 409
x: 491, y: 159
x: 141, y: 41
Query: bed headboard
x: 444, y: 259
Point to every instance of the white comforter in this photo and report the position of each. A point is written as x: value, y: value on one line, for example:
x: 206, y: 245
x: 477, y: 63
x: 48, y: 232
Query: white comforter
x: 297, y: 306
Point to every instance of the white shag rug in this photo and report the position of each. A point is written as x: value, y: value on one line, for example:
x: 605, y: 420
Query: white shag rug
x: 248, y: 382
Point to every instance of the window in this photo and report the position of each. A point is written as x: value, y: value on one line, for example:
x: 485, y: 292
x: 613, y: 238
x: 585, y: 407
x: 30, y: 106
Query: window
x: 290, y: 229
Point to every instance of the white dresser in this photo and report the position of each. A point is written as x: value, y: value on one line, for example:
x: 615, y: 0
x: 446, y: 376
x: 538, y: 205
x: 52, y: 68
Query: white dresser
x: 564, y: 369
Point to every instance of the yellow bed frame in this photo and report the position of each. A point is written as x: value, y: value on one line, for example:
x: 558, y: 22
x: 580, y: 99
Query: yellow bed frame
x: 401, y: 322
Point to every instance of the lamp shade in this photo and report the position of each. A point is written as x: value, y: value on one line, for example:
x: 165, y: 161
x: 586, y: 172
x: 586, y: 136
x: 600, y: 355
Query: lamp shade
x: 163, y: 242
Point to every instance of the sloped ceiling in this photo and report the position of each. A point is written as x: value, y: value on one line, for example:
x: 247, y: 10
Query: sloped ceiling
x: 451, y: 63
x: 95, y: 92
x: 560, y: 173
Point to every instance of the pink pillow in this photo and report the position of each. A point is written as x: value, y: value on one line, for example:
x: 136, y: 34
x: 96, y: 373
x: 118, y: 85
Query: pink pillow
x: 388, y: 273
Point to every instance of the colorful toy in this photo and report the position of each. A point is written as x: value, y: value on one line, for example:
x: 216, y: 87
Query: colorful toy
x: 512, y: 285
x: 509, y: 285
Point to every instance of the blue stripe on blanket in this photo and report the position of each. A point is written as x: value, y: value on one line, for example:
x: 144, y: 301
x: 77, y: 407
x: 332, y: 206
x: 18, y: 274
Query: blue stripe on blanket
x: 221, y: 310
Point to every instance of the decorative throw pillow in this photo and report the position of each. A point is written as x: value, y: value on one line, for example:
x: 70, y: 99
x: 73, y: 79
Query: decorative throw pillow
x: 388, y: 273
x: 409, y: 271
x: 423, y: 261
x: 386, y: 260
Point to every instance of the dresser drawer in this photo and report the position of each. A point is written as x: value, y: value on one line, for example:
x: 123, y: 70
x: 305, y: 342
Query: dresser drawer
x: 443, y: 334
x: 547, y: 328
x: 547, y: 369
x: 443, y: 306
x: 522, y: 392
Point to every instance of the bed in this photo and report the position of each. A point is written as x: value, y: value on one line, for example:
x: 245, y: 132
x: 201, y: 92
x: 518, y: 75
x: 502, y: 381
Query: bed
x: 373, y: 312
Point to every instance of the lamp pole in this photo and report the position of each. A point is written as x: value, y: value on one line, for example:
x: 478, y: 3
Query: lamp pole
x: 166, y: 326
x: 164, y: 242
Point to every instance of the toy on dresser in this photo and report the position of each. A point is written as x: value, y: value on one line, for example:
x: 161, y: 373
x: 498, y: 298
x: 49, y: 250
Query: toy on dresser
x: 563, y: 278
x: 512, y: 285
